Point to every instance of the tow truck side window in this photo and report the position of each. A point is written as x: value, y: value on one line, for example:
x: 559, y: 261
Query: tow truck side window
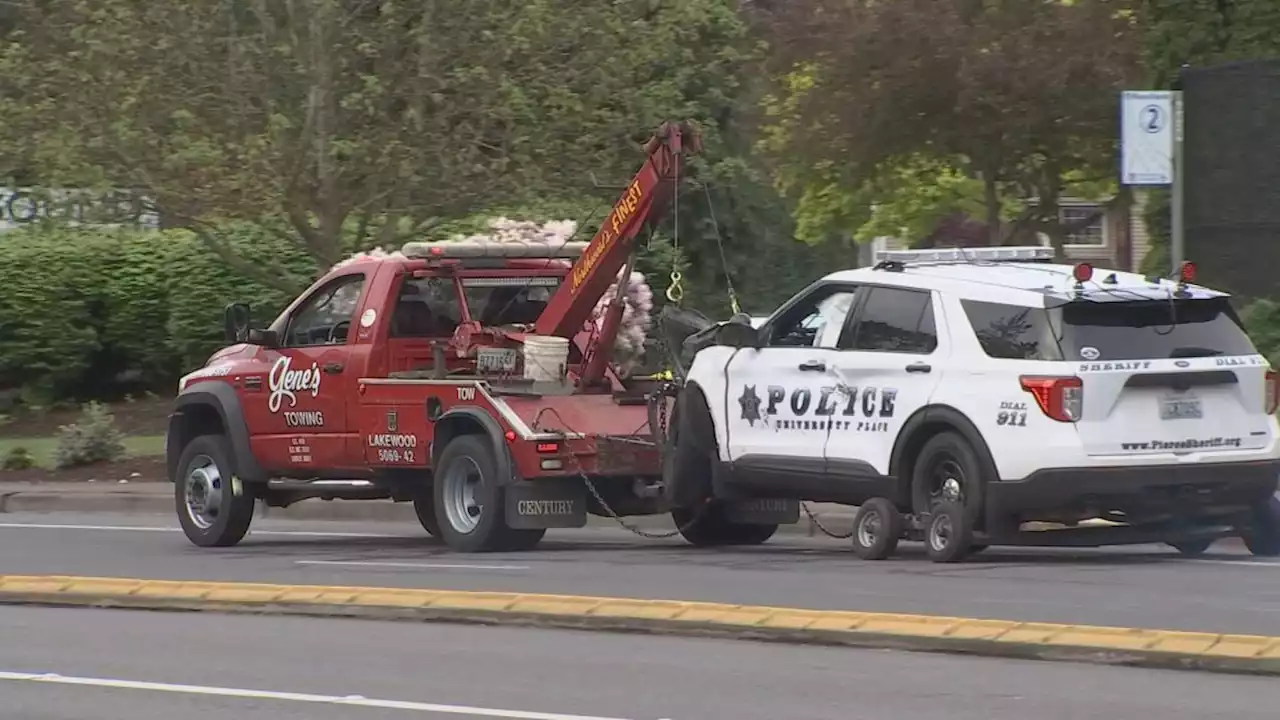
x: 426, y: 308
x: 325, y: 317
x: 814, y: 321
x: 894, y: 320
x: 495, y: 302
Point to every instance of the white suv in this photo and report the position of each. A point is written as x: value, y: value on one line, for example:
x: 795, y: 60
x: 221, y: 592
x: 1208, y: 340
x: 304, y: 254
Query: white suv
x: 956, y: 395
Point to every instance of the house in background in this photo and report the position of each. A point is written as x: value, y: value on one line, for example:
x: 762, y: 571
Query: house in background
x: 1116, y: 238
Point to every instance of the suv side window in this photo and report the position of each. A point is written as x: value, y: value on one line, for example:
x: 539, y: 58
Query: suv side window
x: 1012, y: 332
x: 894, y: 320
x: 325, y: 317
x: 814, y: 321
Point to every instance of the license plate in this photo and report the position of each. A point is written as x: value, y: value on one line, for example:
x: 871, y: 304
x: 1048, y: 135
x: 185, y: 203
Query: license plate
x: 1181, y: 409
x: 496, y: 360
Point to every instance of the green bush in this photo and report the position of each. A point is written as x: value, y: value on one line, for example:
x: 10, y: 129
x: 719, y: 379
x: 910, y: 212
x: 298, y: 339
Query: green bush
x: 48, y: 314
x: 18, y: 458
x: 1262, y: 319
x: 94, y: 439
x: 89, y: 313
x: 200, y: 285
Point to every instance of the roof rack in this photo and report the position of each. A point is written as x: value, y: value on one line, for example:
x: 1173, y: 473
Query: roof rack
x: 492, y: 249
x: 999, y: 253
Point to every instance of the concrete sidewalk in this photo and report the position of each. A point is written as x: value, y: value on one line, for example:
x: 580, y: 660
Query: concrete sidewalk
x: 157, y: 498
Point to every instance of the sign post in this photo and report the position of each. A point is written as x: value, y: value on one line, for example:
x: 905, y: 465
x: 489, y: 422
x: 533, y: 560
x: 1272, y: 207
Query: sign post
x: 1151, y: 151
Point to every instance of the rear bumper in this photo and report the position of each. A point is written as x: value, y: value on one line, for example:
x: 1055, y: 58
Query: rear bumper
x: 1137, y: 489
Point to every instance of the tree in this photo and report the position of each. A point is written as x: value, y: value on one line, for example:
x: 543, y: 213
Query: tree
x: 1018, y: 98
x: 356, y: 122
x: 1198, y: 32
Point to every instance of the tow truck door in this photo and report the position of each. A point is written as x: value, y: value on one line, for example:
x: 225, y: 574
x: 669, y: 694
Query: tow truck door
x: 889, y: 364
x: 298, y: 415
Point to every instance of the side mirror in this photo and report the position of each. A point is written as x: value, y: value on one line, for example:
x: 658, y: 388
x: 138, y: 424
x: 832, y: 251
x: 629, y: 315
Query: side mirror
x: 738, y: 332
x: 269, y: 339
x: 235, y: 323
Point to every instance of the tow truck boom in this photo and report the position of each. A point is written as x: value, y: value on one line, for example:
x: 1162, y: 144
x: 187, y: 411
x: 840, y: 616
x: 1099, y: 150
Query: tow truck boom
x: 645, y: 197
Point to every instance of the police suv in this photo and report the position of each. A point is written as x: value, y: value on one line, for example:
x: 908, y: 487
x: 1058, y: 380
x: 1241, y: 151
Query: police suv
x: 957, y: 395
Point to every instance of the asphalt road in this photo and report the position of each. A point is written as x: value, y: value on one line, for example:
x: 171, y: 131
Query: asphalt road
x: 255, y: 668
x: 1144, y: 587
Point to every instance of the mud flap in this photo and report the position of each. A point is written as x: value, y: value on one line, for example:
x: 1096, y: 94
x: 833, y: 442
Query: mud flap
x: 546, y: 503
x: 762, y: 511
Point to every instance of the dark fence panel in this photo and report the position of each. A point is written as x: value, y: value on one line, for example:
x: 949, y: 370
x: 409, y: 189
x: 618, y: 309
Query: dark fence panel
x: 1232, y: 180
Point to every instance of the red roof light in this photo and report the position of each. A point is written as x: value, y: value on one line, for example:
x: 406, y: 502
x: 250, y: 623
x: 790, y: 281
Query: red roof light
x: 1187, y: 273
x: 1082, y: 272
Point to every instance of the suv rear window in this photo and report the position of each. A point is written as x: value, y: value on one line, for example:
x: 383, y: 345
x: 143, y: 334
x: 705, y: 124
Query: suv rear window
x: 1118, y: 330
x: 1132, y: 330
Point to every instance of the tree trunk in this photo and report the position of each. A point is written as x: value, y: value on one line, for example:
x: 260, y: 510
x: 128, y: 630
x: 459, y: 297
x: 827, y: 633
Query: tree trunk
x: 991, y: 198
x: 1122, y: 219
x: 328, y: 202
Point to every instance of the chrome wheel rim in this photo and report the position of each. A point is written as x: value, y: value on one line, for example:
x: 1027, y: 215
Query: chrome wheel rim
x: 948, y: 481
x: 940, y: 531
x: 461, y: 495
x: 203, y: 492
x: 869, y: 529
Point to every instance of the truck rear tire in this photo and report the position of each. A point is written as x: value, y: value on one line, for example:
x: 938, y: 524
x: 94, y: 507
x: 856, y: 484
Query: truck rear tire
x: 424, y: 506
x: 214, y: 509
x: 713, y: 529
x: 468, y: 500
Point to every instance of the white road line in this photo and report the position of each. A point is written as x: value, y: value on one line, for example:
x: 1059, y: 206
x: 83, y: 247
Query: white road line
x: 347, y: 700
x: 415, y: 565
x: 152, y: 528
x: 1242, y: 563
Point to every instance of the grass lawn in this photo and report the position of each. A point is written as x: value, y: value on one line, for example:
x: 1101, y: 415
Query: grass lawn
x: 42, y: 448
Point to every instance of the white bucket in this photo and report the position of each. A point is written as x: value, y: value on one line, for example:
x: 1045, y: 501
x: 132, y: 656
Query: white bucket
x: 545, y: 358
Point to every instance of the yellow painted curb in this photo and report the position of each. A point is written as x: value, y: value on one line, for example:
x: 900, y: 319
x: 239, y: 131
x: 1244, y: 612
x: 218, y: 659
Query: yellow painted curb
x: 1247, y: 653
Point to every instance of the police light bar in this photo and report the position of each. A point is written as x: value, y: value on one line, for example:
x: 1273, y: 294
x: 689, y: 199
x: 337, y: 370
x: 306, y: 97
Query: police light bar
x: 1006, y: 253
x: 481, y: 249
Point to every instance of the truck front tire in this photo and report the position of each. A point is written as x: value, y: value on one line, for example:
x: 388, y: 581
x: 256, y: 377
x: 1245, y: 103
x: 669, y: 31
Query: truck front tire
x: 214, y: 508
x: 468, y: 499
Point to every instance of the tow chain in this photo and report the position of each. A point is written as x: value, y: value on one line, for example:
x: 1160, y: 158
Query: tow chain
x: 813, y: 518
x: 637, y: 530
x: 660, y: 436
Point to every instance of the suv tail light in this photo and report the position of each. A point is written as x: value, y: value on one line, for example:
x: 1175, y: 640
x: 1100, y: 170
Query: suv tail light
x: 1060, y: 398
x: 1273, y: 392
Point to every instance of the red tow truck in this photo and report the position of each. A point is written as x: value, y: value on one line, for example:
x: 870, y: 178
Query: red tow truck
x: 413, y: 377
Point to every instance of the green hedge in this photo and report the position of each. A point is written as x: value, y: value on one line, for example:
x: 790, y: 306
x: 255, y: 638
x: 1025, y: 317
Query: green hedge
x: 95, y: 313
x: 92, y: 313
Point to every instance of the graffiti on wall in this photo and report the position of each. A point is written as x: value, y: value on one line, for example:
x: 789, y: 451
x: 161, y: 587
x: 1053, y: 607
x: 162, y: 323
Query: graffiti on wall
x: 21, y: 207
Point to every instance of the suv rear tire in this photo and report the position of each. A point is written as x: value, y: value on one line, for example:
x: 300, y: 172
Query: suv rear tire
x: 1263, y: 537
x: 214, y: 508
x: 945, y: 457
x: 468, y: 500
